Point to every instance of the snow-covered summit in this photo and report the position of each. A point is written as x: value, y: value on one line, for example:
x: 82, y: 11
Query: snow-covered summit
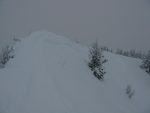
x: 49, y: 74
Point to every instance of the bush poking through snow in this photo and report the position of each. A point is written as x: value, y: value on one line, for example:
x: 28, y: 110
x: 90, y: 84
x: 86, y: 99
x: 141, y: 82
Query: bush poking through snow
x: 129, y: 91
x: 96, y: 61
x: 146, y: 63
x: 5, y: 55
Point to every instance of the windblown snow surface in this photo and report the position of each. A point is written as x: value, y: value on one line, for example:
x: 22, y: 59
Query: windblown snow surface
x: 49, y: 74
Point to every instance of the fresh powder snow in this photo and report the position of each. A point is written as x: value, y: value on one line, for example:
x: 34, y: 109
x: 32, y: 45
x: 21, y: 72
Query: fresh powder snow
x: 50, y: 74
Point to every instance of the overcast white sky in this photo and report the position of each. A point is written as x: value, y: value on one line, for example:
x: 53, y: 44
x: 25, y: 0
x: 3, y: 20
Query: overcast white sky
x: 115, y: 23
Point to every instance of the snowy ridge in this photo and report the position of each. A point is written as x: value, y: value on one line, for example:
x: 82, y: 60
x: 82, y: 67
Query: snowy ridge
x: 49, y: 74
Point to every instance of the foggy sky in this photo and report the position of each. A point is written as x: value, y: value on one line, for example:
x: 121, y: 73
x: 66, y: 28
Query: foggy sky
x: 114, y: 23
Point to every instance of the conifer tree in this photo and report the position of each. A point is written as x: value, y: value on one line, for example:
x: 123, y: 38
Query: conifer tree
x: 146, y: 63
x: 96, y: 61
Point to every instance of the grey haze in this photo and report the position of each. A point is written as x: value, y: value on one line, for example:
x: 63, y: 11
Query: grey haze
x: 114, y: 23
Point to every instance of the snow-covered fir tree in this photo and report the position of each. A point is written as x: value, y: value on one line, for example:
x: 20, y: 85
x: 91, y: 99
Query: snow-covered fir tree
x: 96, y: 61
x: 146, y: 63
x: 5, y: 55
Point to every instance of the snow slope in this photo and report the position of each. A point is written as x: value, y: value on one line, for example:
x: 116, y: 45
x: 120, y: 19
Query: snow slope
x: 49, y: 74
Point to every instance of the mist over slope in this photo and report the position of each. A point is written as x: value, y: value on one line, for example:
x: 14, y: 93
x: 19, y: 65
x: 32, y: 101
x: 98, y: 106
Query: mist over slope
x: 49, y: 73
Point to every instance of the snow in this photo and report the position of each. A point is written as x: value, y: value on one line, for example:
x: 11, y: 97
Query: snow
x: 49, y: 74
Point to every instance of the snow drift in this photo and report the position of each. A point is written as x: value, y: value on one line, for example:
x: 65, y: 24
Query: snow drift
x: 49, y: 74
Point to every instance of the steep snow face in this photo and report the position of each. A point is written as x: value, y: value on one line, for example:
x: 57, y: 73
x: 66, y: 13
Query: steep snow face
x: 50, y: 74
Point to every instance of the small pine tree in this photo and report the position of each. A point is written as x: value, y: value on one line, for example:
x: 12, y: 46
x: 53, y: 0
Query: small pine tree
x: 146, y: 63
x: 96, y: 61
x: 129, y: 91
x: 5, y: 55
